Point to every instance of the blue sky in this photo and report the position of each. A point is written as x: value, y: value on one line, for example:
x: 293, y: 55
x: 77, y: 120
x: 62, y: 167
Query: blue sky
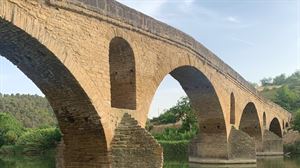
x: 258, y: 38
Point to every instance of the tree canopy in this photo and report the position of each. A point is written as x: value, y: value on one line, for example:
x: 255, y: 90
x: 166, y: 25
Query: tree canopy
x: 31, y: 110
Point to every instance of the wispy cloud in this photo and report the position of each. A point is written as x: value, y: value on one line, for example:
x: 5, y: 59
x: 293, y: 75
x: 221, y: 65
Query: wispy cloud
x: 232, y: 19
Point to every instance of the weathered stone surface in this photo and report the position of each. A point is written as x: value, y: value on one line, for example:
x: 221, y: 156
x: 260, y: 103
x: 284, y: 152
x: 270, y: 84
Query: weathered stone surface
x: 67, y: 48
x: 132, y: 146
x: 241, y: 146
x: 272, y: 144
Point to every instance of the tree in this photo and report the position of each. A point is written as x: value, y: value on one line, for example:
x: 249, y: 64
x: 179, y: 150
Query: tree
x: 182, y: 111
x: 266, y: 81
x: 286, y: 98
x: 10, y: 129
x: 255, y: 85
x: 176, y: 113
x: 279, y: 80
x: 31, y: 110
x: 296, y: 121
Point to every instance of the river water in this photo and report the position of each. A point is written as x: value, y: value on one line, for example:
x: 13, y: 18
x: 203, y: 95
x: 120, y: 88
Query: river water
x: 48, y: 161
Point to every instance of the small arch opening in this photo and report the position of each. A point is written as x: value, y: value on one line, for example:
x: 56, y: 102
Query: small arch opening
x: 232, y: 109
x: 264, y: 120
x: 275, y: 127
x: 122, y: 74
x: 286, y: 125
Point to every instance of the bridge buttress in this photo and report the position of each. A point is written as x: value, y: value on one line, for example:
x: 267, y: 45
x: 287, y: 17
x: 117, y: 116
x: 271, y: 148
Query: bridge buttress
x: 134, y: 147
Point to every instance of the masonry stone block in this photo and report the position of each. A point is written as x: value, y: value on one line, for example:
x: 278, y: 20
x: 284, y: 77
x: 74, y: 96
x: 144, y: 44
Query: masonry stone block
x: 132, y: 146
x: 241, y: 146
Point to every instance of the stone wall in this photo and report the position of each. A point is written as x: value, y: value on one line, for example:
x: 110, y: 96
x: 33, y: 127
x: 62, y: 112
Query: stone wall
x: 241, y: 145
x: 206, y: 146
x: 272, y: 144
x: 132, y: 146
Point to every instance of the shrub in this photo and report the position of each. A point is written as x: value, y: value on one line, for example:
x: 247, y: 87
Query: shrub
x: 173, y: 134
x: 11, y: 137
x: 39, y: 140
x: 10, y: 129
x: 175, y: 150
x: 292, y: 148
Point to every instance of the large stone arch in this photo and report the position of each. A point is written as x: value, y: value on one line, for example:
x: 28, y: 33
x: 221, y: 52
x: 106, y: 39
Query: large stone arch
x: 250, y: 124
x: 275, y: 127
x: 205, y: 102
x: 83, y: 134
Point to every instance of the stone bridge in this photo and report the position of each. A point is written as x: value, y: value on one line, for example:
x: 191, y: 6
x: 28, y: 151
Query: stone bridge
x: 99, y: 64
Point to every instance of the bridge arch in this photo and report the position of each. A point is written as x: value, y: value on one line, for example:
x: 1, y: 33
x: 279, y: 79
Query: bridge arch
x: 250, y: 123
x: 122, y: 74
x: 77, y: 117
x: 275, y: 127
x: 205, y: 102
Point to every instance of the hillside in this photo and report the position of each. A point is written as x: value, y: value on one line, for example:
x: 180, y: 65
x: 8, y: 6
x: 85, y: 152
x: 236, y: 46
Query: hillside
x: 31, y: 110
x: 283, y: 90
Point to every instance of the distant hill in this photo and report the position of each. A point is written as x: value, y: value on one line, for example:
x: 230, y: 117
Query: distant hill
x: 285, y: 91
x: 31, y: 110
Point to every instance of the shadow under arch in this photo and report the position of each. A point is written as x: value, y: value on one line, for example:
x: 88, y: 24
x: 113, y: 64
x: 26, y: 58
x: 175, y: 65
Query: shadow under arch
x: 84, y: 138
x: 286, y: 125
x: 232, y: 109
x: 275, y: 127
x: 205, y: 103
x: 264, y: 119
x: 249, y: 123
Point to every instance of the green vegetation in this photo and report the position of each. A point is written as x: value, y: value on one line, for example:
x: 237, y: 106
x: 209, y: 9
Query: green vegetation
x: 27, y: 125
x: 173, y: 134
x: 46, y: 160
x: 10, y: 129
x: 32, y: 111
x: 175, y: 150
x: 14, y: 138
x: 292, y: 148
x: 39, y: 140
x: 175, y: 140
x: 183, y: 112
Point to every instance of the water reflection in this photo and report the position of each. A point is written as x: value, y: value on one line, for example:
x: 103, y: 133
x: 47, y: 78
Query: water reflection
x: 48, y: 161
x: 262, y: 162
x: 45, y: 161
